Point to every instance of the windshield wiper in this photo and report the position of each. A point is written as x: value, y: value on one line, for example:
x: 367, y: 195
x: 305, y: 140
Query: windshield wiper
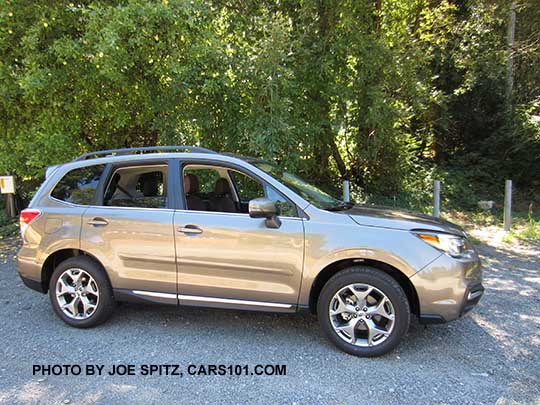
x: 342, y: 206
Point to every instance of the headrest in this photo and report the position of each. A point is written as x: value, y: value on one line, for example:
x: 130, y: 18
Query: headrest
x: 191, y: 183
x: 222, y: 186
x: 150, y: 184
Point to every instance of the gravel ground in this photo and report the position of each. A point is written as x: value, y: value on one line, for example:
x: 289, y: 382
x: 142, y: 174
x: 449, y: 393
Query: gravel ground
x: 491, y: 355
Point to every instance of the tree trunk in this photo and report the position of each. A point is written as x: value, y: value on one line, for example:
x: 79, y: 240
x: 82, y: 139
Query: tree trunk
x: 510, y: 54
x: 329, y: 135
x: 378, y: 8
x: 325, y: 11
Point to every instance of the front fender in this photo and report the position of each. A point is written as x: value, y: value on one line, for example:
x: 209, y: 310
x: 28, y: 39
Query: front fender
x: 331, y: 238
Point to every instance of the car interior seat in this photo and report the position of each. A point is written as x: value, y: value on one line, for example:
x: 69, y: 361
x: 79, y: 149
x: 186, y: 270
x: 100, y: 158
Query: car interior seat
x: 191, y: 188
x: 222, y: 199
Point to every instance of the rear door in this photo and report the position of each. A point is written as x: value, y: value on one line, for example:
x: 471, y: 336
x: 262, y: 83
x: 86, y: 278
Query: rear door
x: 130, y: 231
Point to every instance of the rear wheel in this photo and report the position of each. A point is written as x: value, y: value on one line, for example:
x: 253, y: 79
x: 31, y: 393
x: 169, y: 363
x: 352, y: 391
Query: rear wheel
x: 80, y: 292
x: 363, y: 311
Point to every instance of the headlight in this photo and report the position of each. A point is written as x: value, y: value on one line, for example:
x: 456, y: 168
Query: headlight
x: 453, y: 245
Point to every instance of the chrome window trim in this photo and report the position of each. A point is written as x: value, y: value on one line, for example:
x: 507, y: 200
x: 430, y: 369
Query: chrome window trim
x: 231, y: 214
x: 160, y: 209
x: 107, y: 206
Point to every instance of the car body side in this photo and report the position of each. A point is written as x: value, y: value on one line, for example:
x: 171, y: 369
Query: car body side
x: 438, y: 286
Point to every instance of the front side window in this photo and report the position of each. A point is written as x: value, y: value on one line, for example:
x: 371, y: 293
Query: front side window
x: 307, y: 191
x: 79, y: 185
x: 207, y: 188
x: 220, y: 189
x: 248, y: 188
x: 137, y: 187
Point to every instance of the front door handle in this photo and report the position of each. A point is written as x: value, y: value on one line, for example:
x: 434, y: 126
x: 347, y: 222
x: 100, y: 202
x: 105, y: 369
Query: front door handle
x: 98, y: 221
x: 191, y: 229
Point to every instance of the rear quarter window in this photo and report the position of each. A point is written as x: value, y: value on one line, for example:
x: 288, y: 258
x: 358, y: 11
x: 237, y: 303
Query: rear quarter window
x: 79, y: 185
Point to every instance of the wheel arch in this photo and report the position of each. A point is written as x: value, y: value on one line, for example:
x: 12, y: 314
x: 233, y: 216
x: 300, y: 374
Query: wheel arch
x: 326, y: 273
x: 54, y: 259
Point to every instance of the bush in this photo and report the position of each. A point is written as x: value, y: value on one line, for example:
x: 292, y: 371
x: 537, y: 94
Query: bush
x: 9, y: 227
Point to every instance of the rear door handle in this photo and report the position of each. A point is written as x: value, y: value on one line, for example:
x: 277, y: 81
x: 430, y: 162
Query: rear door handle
x: 98, y: 221
x: 191, y: 229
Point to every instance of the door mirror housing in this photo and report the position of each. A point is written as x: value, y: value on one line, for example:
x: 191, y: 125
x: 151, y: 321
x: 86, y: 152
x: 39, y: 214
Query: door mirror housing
x: 264, y: 208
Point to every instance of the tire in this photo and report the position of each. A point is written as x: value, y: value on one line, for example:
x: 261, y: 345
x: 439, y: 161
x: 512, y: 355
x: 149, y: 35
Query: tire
x: 97, y: 295
x: 383, y: 286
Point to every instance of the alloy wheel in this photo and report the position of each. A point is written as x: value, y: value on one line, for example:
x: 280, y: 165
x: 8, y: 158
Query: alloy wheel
x: 77, y: 294
x: 362, y: 315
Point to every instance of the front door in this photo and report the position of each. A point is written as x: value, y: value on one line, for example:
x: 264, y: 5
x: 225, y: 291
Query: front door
x: 225, y: 258
x: 132, y: 232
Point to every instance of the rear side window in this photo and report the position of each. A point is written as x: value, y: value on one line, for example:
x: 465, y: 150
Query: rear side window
x: 79, y: 185
x: 137, y: 187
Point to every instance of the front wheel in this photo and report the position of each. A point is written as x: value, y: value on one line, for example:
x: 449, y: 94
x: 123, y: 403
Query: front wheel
x: 363, y: 311
x: 80, y: 292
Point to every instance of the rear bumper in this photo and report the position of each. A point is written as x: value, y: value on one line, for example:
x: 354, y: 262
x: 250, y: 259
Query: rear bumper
x: 448, y: 288
x: 29, y: 270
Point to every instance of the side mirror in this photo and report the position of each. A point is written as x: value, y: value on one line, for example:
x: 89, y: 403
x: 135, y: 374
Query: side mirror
x: 264, y: 208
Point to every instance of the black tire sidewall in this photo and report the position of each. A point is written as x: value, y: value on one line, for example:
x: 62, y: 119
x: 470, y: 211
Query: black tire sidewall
x: 106, y: 299
x: 380, y: 280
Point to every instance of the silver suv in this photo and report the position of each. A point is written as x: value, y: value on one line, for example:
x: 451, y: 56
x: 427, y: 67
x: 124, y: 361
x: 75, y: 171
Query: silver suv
x: 188, y: 226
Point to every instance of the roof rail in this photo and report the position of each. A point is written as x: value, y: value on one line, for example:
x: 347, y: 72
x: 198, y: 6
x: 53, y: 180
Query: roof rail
x: 130, y: 151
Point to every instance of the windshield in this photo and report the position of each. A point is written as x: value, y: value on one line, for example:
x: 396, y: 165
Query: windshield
x: 309, y: 192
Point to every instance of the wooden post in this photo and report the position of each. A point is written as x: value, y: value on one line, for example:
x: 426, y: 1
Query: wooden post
x: 508, y: 205
x: 10, y: 205
x: 7, y: 187
x: 346, y: 191
x: 436, y: 198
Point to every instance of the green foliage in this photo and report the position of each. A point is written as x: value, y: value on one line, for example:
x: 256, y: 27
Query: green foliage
x: 531, y: 231
x: 9, y: 227
x: 391, y: 94
x: 525, y: 230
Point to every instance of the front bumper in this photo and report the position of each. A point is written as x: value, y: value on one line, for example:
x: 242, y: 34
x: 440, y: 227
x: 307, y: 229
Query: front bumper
x: 448, y: 288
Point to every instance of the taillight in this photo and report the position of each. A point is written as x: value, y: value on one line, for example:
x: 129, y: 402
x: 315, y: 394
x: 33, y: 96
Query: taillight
x: 26, y: 217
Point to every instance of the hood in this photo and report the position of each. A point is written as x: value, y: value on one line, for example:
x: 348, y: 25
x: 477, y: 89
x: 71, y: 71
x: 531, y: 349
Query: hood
x: 386, y: 217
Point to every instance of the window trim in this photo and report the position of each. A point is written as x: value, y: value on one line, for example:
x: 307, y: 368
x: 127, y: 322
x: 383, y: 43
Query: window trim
x: 100, y: 190
x: 108, y: 206
x: 227, y: 166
